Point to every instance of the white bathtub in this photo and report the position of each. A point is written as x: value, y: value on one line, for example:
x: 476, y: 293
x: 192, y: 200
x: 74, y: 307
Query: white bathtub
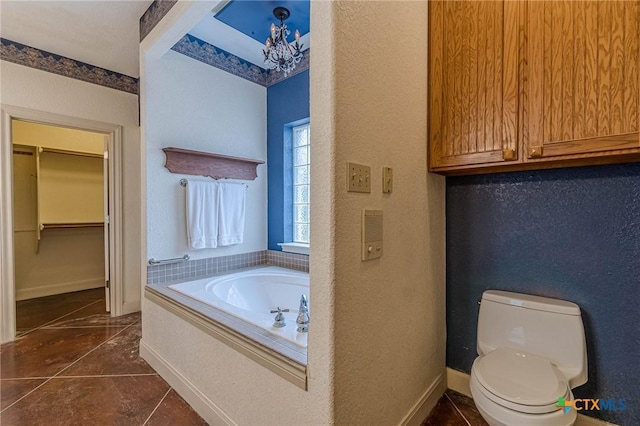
x: 251, y: 295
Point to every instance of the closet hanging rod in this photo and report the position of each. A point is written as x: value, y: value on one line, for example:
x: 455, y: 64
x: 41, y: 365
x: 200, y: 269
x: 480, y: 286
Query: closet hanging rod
x: 184, y: 258
x: 68, y: 152
x: 60, y: 225
x: 184, y: 182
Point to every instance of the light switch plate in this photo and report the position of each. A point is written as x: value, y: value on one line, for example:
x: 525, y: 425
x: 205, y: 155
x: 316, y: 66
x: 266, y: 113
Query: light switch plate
x: 358, y: 178
x: 387, y: 180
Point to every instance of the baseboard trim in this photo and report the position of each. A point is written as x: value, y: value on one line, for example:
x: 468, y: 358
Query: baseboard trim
x: 206, y: 408
x: 50, y: 290
x: 459, y: 382
x: 130, y: 307
x: 591, y: 421
x: 427, y: 401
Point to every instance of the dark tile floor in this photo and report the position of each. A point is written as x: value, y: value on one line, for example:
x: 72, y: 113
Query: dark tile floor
x: 72, y: 364
x: 454, y: 409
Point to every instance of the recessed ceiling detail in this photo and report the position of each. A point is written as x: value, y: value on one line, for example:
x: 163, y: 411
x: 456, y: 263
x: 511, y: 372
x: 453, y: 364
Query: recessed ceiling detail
x: 254, y: 18
x: 209, y: 54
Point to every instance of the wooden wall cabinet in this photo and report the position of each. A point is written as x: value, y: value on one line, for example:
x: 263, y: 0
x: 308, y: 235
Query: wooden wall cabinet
x: 583, y: 79
x: 473, y: 83
x: 519, y: 85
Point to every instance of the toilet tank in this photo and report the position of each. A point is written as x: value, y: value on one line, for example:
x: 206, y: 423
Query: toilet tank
x: 543, y: 326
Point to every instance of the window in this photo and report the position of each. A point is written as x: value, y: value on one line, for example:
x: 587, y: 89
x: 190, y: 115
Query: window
x: 301, y: 139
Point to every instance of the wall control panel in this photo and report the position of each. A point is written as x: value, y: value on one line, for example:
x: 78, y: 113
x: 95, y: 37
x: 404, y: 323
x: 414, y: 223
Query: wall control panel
x: 371, y: 234
x: 358, y: 178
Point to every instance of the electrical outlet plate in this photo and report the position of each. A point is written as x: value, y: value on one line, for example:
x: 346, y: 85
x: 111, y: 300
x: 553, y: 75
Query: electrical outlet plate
x: 387, y: 180
x: 358, y: 178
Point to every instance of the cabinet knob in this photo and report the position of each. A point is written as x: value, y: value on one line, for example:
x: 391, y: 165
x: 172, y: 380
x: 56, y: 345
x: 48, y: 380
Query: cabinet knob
x: 508, y: 154
x: 535, y: 152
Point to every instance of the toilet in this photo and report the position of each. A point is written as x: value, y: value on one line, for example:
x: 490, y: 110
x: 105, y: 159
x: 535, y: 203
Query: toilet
x: 531, y: 351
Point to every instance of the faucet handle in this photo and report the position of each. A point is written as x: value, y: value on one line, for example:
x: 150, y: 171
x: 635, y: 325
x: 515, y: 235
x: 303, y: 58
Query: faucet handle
x: 303, y: 315
x: 304, y: 302
x: 279, y: 320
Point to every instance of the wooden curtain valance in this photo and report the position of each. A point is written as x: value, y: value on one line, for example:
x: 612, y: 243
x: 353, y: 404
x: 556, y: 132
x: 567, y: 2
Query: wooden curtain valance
x: 217, y: 166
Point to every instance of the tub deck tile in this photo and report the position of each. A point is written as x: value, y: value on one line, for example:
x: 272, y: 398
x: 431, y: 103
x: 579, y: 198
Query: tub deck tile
x: 273, y: 342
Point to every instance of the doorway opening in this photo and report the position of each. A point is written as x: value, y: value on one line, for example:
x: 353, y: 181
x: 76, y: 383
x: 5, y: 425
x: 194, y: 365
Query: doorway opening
x: 60, y: 222
x: 59, y: 218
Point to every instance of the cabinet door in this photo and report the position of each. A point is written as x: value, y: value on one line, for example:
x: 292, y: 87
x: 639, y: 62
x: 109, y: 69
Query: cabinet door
x: 583, y: 76
x: 473, y: 83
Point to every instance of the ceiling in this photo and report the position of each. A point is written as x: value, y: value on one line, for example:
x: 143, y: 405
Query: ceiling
x: 106, y: 33
x: 254, y: 18
x: 100, y: 33
x: 242, y: 27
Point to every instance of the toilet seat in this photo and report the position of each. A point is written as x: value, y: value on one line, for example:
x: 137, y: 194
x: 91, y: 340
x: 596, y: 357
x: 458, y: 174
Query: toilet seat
x: 520, y: 381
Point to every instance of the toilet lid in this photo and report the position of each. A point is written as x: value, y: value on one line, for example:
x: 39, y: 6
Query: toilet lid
x: 521, y: 378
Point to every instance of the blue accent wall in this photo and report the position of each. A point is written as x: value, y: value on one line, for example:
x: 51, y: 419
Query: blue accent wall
x: 570, y: 234
x: 287, y: 105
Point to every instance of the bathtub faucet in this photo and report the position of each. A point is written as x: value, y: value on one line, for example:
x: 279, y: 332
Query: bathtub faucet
x: 303, y: 315
x: 279, y: 319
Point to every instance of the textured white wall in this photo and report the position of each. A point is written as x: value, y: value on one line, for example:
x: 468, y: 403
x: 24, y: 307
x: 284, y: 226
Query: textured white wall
x: 42, y: 91
x: 369, y: 105
x: 377, y: 340
x: 195, y: 106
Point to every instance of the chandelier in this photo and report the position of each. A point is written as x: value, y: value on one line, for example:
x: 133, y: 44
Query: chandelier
x: 278, y: 53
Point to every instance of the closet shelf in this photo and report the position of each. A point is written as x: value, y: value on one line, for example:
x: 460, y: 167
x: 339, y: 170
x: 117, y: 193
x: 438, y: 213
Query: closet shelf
x: 208, y: 164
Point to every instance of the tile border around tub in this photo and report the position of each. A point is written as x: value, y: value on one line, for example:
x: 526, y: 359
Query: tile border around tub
x: 299, y: 262
x: 201, y: 268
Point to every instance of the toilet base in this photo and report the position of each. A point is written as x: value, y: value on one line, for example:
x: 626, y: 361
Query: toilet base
x: 497, y: 415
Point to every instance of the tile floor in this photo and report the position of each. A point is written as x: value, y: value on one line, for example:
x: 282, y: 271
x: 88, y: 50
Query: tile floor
x: 454, y: 409
x: 72, y: 364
